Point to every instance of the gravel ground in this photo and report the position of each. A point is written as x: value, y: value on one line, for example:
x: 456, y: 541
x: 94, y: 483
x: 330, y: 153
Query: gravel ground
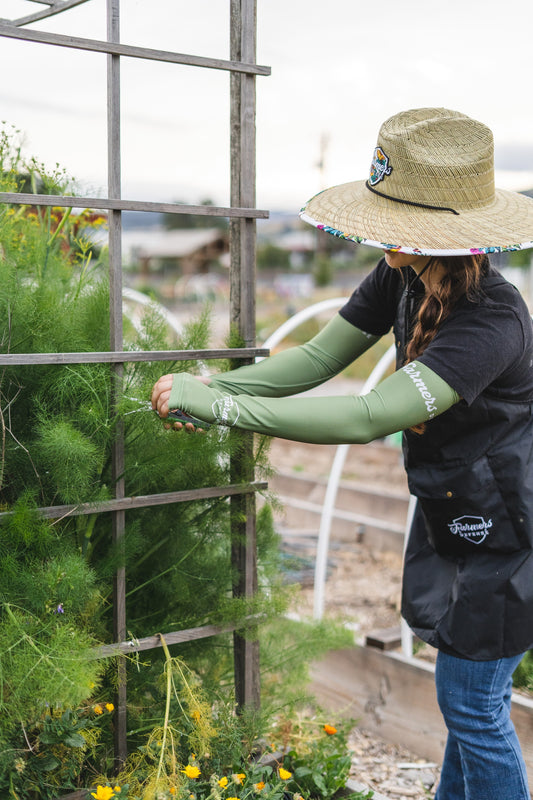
x: 363, y: 589
x: 390, y: 769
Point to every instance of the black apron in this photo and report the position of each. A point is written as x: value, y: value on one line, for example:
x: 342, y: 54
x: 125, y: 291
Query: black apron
x: 468, y: 572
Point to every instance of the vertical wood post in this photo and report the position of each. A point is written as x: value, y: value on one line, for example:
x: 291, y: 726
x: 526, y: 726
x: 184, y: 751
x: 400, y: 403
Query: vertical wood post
x: 116, y: 341
x: 242, y: 316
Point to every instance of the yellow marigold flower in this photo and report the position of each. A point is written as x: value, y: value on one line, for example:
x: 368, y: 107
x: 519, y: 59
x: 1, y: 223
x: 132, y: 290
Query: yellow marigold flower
x: 103, y: 793
x: 196, y: 715
x: 233, y: 798
x: 330, y: 729
x: 172, y: 790
x: 284, y: 774
x: 223, y: 782
x: 191, y: 772
x: 117, y: 789
x: 259, y: 786
x: 98, y: 710
x: 109, y: 707
x: 238, y: 778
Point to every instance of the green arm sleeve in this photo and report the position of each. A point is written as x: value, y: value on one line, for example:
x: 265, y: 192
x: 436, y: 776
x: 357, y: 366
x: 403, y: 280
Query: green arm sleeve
x: 412, y: 395
x: 299, y: 368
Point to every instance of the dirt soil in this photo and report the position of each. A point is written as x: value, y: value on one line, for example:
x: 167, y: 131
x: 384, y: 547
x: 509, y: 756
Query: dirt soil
x: 363, y: 585
x: 363, y: 589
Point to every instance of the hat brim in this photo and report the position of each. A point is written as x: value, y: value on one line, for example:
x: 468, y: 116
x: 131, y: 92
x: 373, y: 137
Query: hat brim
x: 350, y: 211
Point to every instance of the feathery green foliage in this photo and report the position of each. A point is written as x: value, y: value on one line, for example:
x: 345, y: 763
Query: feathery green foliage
x: 57, y: 428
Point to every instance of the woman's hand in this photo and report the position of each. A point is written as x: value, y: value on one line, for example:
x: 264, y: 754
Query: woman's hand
x: 160, y: 397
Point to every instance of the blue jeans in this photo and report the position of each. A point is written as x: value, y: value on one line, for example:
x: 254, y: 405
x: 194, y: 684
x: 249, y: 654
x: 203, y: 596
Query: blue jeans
x: 482, y: 760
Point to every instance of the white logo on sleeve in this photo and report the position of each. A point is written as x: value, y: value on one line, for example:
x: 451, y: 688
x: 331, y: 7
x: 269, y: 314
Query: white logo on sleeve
x: 226, y: 411
x: 474, y: 529
x: 414, y: 374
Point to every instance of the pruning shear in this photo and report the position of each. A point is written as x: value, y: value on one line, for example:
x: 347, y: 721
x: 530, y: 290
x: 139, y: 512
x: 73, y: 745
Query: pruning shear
x: 175, y: 415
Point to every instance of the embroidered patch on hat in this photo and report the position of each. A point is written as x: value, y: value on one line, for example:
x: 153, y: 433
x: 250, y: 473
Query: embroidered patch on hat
x: 379, y: 167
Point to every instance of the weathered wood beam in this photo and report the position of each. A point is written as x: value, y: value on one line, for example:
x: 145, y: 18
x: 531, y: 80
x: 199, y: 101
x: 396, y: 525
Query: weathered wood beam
x: 118, y: 204
x: 126, y: 356
x: 132, y: 51
x: 243, y: 25
x: 55, y: 7
x: 144, y: 501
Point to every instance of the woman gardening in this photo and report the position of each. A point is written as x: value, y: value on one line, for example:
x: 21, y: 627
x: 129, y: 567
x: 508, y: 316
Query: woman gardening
x: 463, y: 396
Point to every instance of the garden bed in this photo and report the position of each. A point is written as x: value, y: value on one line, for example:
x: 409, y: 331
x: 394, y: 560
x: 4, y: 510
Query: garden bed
x: 394, y: 697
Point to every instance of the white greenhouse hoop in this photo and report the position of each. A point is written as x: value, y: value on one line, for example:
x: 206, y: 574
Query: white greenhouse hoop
x: 145, y: 300
x: 337, y: 466
x: 170, y: 318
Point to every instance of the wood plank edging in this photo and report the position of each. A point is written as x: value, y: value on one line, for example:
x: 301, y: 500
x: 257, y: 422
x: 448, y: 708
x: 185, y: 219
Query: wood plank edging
x: 394, y: 697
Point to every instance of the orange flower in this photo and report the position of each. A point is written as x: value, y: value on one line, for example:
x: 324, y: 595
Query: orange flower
x: 259, y: 786
x: 330, y: 729
x: 98, y: 709
x: 238, y: 778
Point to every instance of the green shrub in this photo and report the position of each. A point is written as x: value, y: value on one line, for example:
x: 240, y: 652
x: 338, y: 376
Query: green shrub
x: 58, y: 424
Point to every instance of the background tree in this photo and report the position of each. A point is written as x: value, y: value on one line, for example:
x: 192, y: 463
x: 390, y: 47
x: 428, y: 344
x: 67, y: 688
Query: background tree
x: 180, y: 221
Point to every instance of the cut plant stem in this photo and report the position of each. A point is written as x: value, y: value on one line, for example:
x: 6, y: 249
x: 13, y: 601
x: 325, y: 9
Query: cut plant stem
x: 168, y: 667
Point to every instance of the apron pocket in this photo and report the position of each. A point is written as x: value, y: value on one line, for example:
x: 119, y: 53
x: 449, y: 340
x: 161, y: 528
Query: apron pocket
x: 463, y: 509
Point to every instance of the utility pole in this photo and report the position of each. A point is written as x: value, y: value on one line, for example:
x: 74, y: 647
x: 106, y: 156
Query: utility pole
x: 321, y: 241
x: 321, y: 164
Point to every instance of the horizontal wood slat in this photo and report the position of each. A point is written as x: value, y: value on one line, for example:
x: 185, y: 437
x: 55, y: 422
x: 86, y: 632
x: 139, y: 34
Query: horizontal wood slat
x: 126, y: 356
x: 132, y: 51
x: 116, y: 204
x: 174, y: 637
x: 143, y: 501
x: 54, y: 7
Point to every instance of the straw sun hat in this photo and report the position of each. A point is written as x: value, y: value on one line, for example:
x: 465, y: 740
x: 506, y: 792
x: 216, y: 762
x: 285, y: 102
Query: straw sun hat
x: 430, y: 192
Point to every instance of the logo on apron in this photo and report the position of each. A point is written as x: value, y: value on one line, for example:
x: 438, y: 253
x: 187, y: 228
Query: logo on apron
x: 473, y: 529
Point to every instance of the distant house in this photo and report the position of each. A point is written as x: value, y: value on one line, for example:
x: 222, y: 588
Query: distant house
x: 301, y: 245
x: 192, y: 251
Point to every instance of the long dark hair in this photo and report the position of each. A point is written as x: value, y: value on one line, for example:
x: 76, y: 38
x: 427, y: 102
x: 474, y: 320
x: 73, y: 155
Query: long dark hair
x: 461, y: 278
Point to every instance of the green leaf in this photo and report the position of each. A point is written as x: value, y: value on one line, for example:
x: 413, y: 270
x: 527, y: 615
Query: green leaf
x: 301, y: 772
x: 48, y: 763
x: 49, y: 737
x: 319, y: 780
x: 75, y: 740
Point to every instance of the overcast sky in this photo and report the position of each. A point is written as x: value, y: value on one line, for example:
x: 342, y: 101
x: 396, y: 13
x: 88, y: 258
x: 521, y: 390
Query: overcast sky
x: 339, y: 68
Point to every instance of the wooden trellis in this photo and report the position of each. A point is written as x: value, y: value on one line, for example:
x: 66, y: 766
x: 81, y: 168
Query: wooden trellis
x: 242, y: 215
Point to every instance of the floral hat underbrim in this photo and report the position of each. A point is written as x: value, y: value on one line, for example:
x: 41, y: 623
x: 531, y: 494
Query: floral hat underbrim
x: 349, y: 211
x: 414, y: 251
